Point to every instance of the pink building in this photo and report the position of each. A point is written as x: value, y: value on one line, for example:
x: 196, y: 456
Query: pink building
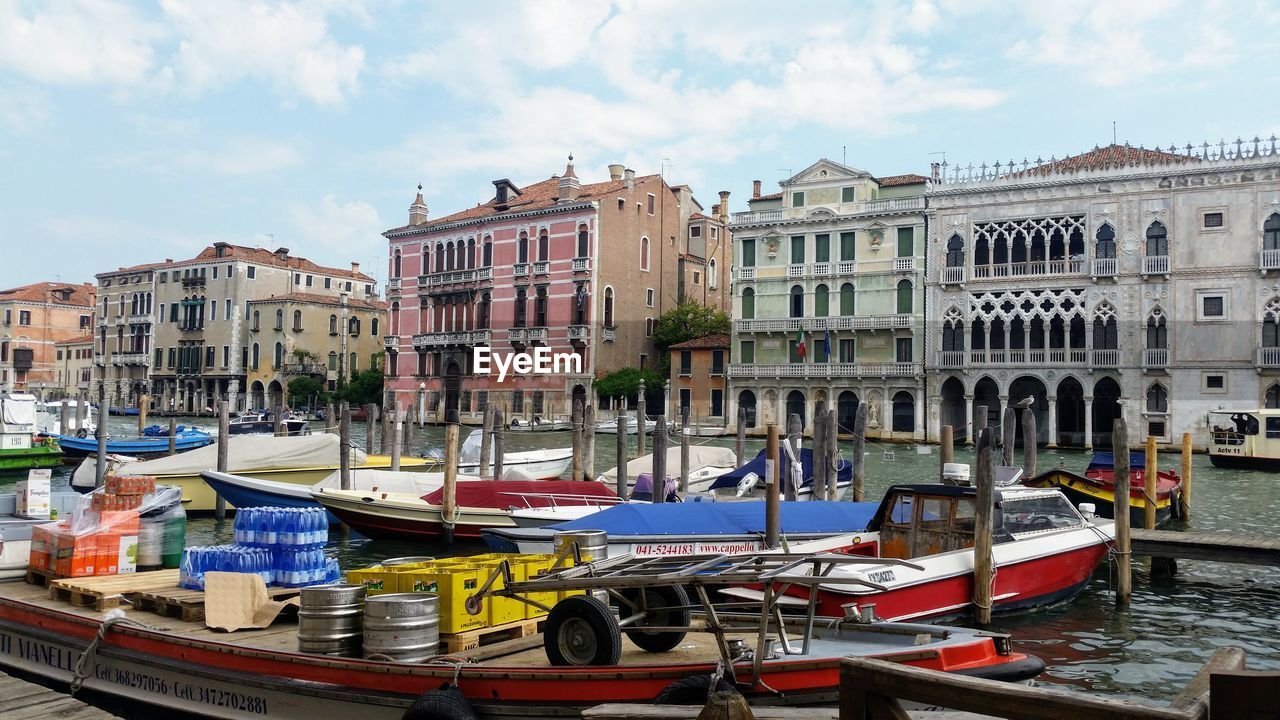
x: 526, y: 270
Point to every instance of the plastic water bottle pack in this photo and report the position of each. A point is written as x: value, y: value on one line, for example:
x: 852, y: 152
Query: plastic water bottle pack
x: 196, y: 561
x: 282, y: 528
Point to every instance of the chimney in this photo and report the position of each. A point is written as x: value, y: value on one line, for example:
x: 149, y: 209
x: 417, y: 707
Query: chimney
x: 355, y: 266
x: 282, y: 253
x: 715, y: 210
x: 570, y: 188
x: 755, y: 189
x: 935, y: 171
x: 629, y: 178
x: 723, y: 207
x: 418, y: 210
x: 615, y: 172
x: 502, y: 195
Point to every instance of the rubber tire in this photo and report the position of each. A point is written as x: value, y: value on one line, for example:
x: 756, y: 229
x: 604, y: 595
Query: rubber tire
x: 692, y: 690
x: 515, y: 423
x: 603, y: 626
x: 82, y: 433
x: 447, y: 703
x: 659, y: 595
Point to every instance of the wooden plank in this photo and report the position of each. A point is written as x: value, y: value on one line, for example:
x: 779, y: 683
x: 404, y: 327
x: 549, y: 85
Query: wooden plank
x: 1194, y: 697
x: 1214, y: 547
x: 22, y: 700
x: 637, y: 711
x: 1245, y: 695
x: 879, y: 677
x: 473, y: 639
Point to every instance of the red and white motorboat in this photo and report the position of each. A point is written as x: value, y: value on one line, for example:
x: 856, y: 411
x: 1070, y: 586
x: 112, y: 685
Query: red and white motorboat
x: 480, y: 504
x: 1044, y: 552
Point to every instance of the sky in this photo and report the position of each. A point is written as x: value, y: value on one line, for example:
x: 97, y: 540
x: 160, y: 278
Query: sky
x: 134, y: 132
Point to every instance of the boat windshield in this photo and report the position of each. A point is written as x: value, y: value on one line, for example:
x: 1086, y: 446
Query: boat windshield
x: 1241, y: 424
x: 1041, y: 512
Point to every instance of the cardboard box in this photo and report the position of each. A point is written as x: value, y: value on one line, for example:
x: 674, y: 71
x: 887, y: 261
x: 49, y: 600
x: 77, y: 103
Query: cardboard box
x: 107, y: 502
x: 74, y: 555
x: 129, y: 484
x: 33, y: 495
x: 124, y: 522
x: 41, y: 542
x: 108, y: 562
x: 127, y: 549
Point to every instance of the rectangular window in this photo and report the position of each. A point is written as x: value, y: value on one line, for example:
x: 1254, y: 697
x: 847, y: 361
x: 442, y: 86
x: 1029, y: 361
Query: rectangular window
x: 686, y: 401
x: 226, y: 309
x: 847, y: 240
x: 686, y: 363
x: 161, y: 316
x: 297, y: 278
x: 226, y: 356
x: 24, y: 317
x: 164, y: 278
x: 1213, y: 220
x: 252, y: 272
x: 906, y: 242
x: 846, y: 350
x: 697, y: 278
x: 748, y: 252
x: 309, y: 279
x: 747, y: 351
x: 159, y: 357
x: 173, y: 313
x: 797, y: 249
x: 822, y: 248
x: 902, y: 350
x: 846, y: 195
x: 213, y: 309
x: 648, y: 327
x: 797, y: 199
x: 1273, y: 428
x: 1213, y: 383
x: 173, y: 354
x: 651, y: 203
x: 717, y: 403
x: 695, y: 231
x: 793, y: 352
x: 1213, y: 307
x: 648, y: 297
x: 1156, y: 428
x: 717, y: 362
x: 208, y: 356
x: 328, y: 282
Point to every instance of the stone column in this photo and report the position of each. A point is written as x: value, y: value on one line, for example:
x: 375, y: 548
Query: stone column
x: 922, y: 407
x: 1052, y: 421
x: 1088, y: 422
x: 970, y: 432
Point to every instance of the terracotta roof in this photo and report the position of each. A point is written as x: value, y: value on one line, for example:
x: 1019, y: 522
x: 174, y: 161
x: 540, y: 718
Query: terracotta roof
x: 699, y: 216
x: 774, y: 196
x: 317, y: 299
x: 1107, y: 157
x: 82, y: 340
x: 256, y: 255
x: 707, y: 342
x: 136, y: 268
x: 895, y: 180
x: 694, y: 258
x: 538, y: 196
x: 81, y: 295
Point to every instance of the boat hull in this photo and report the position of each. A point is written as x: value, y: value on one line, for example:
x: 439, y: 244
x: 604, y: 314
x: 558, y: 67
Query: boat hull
x: 144, y: 448
x: 224, y: 680
x: 398, y: 522
x: 36, y: 456
x: 1086, y: 490
x: 250, y: 494
x: 1244, y: 462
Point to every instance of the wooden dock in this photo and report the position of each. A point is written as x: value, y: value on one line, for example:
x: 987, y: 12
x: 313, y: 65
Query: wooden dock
x: 20, y: 700
x: 1217, y: 547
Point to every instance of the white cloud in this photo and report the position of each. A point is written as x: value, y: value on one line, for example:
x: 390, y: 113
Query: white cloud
x: 23, y: 108
x: 236, y: 156
x: 81, y: 42
x: 344, y: 231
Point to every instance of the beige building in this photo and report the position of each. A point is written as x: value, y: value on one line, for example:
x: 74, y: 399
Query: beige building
x: 310, y: 335
x: 35, y: 318
x: 180, y: 329
x: 74, y: 360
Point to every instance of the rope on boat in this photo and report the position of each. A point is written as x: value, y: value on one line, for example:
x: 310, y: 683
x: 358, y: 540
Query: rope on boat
x: 83, y: 669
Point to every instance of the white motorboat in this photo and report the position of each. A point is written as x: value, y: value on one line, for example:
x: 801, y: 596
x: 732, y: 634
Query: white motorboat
x: 706, y: 463
x: 543, y: 464
x: 539, y: 424
x: 49, y: 418
x: 260, y: 422
x: 632, y: 427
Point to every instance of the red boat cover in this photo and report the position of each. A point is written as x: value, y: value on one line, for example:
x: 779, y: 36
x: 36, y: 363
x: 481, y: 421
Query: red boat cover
x: 524, y: 493
x: 1166, y: 480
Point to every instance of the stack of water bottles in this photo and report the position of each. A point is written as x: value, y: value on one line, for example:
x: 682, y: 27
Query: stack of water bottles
x: 283, y: 545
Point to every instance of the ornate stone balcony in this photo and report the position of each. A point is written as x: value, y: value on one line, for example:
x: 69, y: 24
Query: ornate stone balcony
x: 789, y: 325
x: 746, y: 273
x: 953, y: 275
x: 1155, y: 358
x: 1103, y: 267
x: 1104, y: 358
x: 1268, y: 357
x: 125, y: 359
x: 459, y: 337
x: 819, y: 370
x: 1269, y: 260
x: 904, y: 264
x: 1155, y: 265
x: 582, y: 264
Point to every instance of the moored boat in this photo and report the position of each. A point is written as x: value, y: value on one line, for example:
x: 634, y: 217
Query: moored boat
x: 706, y: 463
x: 260, y: 422
x: 1245, y: 439
x: 631, y: 426
x: 537, y: 423
x: 1097, y: 487
x: 145, y: 446
x: 748, y: 481
x: 20, y: 446
x: 49, y: 417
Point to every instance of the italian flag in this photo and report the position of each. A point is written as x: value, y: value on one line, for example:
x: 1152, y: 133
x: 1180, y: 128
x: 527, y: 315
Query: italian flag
x: 800, y: 349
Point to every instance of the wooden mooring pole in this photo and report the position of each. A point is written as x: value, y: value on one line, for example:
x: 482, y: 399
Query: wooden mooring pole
x: 224, y: 449
x: 740, y: 442
x: 1150, y: 475
x: 1029, y: 442
x: 486, y: 441
x: 588, y: 440
x: 344, y: 446
x: 1185, y: 495
x: 620, y: 433
x: 173, y: 435
x: 397, y: 436
x: 143, y: 404
x: 982, y: 529
x: 64, y: 421
x: 640, y: 419
x: 330, y: 422
x: 772, y: 492
x: 1120, y: 511
x: 499, y: 429
x: 684, y: 453
x: 576, y: 425
x: 819, y: 451
x: 1008, y: 423
x: 946, y: 450
x: 384, y: 437
x: 660, y: 460
x: 831, y: 453
x: 449, y: 506
x: 858, y: 490
x: 370, y: 416
x: 101, y: 434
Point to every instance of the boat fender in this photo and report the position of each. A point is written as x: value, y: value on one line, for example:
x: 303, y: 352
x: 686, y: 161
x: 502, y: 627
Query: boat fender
x: 748, y: 484
x: 693, y: 690
x: 537, y: 420
x: 445, y: 703
x: 515, y: 423
x: 82, y: 433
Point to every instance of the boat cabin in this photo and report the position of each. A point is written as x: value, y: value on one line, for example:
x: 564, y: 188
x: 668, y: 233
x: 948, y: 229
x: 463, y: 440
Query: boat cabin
x: 919, y: 520
x: 1245, y: 438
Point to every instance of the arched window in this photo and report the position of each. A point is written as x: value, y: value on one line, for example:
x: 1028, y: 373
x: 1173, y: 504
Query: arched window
x: 904, y: 412
x: 583, y: 241
x: 747, y: 401
x: 1272, y: 400
x: 482, y: 312
x: 471, y: 253
x: 333, y: 324
x: 955, y: 251
x: 953, y: 337
x: 1157, y: 240
x: 795, y: 406
x: 540, y: 308
x: 352, y: 360
x: 1271, y: 324
x: 904, y: 297
x: 395, y: 319
x: 1157, y: 331
x: 120, y: 305
x: 280, y: 319
x: 439, y: 257
x: 846, y: 299
x: 297, y: 319
x: 713, y: 275
x: 797, y: 302
x: 1271, y: 233
x: 608, y: 307
x: 521, y: 302
x: 748, y: 303
x: 333, y: 360
x: 821, y: 301
x: 1105, y: 336
x: 254, y: 357
x: 450, y: 261
x: 522, y: 248
x: 133, y: 304
x: 544, y: 245
x: 1157, y: 399
x: 149, y: 299
x: 256, y: 317
x: 278, y: 358
x: 395, y: 265
x: 644, y: 253
x: 373, y: 327
x: 1106, y: 245
x: 487, y: 255
x: 353, y: 327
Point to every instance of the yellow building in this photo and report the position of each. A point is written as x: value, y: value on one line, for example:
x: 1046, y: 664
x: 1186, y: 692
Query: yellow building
x: 309, y: 335
x: 75, y: 366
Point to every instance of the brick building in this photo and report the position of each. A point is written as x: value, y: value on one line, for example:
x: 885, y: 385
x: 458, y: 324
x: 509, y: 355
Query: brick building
x: 35, y: 318
x: 698, y: 380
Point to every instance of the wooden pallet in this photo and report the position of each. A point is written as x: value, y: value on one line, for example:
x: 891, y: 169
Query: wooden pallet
x: 108, y: 591
x: 184, y: 604
x: 41, y: 577
x: 473, y: 639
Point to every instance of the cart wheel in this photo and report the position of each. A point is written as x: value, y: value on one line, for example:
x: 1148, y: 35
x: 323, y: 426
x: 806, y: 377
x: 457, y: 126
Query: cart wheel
x: 669, y: 596
x: 692, y: 690
x: 580, y: 630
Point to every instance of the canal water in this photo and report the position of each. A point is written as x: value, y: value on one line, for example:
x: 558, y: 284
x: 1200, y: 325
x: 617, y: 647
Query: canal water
x: 1149, y: 650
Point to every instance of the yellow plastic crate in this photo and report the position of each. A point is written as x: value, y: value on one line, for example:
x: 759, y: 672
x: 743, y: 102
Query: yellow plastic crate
x: 501, y: 610
x: 533, y: 565
x: 454, y: 584
x: 375, y: 580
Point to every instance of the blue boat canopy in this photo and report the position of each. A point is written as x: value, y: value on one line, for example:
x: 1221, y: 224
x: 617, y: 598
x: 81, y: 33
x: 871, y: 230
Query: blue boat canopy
x: 1106, y: 460
x: 844, y: 473
x: 725, y: 518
